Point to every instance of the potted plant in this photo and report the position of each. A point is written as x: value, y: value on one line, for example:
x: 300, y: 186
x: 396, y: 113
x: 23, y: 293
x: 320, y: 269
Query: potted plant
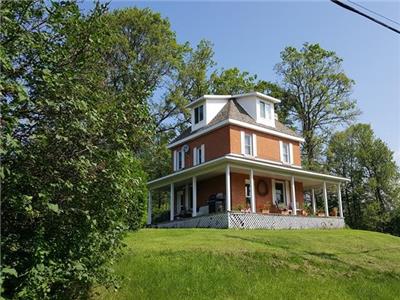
x: 265, y: 209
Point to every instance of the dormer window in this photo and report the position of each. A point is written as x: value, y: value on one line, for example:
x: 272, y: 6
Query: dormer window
x: 198, y: 114
x: 265, y: 110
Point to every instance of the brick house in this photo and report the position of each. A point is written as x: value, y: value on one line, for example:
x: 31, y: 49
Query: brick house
x: 238, y: 166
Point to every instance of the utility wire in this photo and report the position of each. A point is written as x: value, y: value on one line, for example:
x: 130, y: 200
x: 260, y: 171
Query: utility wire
x: 348, y: 7
x: 378, y: 14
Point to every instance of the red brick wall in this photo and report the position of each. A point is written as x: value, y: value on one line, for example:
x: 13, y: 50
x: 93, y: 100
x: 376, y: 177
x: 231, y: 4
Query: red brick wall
x: 216, y: 144
x: 262, y: 201
x: 207, y: 187
x: 267, y: 145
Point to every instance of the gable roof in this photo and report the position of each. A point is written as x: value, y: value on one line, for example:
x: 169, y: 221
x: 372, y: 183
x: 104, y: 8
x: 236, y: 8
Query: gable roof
x: 232, y: 110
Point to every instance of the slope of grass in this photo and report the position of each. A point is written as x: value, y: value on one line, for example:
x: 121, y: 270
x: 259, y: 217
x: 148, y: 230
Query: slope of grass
x: 258, y: 264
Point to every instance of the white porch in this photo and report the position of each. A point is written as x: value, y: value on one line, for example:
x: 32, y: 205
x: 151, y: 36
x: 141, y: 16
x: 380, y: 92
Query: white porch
x: 183, y: 193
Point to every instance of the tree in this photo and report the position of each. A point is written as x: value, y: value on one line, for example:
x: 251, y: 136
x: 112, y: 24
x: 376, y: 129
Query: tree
x: 319, y: 95
x: 372, y: 196
x: 233, y: 82
x: 72, y: 180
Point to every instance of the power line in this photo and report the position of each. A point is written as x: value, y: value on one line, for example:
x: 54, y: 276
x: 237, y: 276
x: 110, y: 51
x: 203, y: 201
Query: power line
x: 348, y: 7
x: 378, y: 14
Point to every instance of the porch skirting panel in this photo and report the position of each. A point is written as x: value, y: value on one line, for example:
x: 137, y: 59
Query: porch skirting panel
x: 210, y: 221
x: 239, y: 220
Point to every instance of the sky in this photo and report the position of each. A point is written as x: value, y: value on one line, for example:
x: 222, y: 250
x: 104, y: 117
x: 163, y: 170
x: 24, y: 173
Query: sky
x: 251, y: 35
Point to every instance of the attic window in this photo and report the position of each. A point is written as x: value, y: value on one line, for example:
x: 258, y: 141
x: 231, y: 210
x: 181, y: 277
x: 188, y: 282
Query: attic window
x: 265, y: 110
x: 198, y: 114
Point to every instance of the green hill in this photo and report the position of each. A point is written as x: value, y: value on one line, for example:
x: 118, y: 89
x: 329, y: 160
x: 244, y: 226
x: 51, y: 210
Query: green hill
x: 258, y: 264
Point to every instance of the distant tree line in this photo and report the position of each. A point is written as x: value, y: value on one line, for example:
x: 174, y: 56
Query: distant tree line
x: 89, y: 102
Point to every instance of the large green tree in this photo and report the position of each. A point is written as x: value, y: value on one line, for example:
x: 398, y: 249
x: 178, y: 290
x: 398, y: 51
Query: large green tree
x: 318, y: 96
x: 71, y: 178
x: 372, y: 195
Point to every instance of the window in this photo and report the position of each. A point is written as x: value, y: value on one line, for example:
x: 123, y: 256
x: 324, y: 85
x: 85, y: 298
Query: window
x: 286, y: 153
x: 198, y: 114
x: 179, y: 160
x: 265, y: 110
x: 248, y: 144
x: 198, y: 155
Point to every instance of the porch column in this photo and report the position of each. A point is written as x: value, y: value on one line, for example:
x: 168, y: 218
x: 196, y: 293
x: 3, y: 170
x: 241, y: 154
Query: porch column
x: 326, y: 201
x: 194, y: 196
x: 171, y: 202
x: 149, y: 209
x: 293, y: 192
x: 340, y: 201
x: 228, y: 187
x: 186, y: 197
x: 252, y: 192
x: 314, y: 204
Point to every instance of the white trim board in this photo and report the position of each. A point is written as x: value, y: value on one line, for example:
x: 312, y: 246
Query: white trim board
x: 251, y: 163
x: 239, y: 123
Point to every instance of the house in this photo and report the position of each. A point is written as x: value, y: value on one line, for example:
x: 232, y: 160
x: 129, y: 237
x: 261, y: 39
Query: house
x: 237, y: 166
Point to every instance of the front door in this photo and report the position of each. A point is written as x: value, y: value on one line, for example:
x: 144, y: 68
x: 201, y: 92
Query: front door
x: 280, y: 195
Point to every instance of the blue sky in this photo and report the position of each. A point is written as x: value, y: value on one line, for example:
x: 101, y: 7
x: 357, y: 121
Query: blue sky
x: 250, y: 36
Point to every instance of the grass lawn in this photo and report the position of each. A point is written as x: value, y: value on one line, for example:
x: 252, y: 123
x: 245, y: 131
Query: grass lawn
x: 257, y: 264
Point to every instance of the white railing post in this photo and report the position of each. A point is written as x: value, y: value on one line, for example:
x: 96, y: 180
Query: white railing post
x: 340, y: 201
x: 314, y: 204
x: 326, y: 201
x: 171, y: 202
x: 228, y: 187
x: 252, y: 192
x: 293, y: 192
x: 149, y: 209
x: 194, y: 196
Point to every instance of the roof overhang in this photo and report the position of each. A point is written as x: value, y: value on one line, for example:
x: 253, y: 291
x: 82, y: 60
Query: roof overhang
x: 227, y: 97
x: 241, y: 161
x: 258, y: 95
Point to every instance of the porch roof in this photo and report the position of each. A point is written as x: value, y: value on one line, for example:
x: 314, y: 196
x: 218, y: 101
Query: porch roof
x: 244, y: 162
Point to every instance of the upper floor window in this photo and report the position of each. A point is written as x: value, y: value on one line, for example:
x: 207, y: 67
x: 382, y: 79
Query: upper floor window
x: 248, y: 144
x: 179, y: 160
x: 286, y: 153
x: 198, y: 155
x: 198, y: 114
x: 265, y: 110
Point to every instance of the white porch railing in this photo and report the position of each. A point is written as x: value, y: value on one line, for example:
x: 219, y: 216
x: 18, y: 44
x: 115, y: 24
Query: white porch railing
x: 240, y: 220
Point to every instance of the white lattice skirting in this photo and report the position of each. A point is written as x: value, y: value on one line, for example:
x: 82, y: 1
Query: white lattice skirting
x: 255, y: 221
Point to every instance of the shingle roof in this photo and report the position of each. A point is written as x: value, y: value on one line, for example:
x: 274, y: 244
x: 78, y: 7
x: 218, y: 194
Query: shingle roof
x: 233, y: 110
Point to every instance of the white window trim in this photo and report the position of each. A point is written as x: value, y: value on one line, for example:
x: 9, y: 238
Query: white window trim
x: 203, y: 154
x: 253, y: 145
x: 176, y: 160
x: 291, y: 153
x: 195, y: 156
x: 194, y: 114
x: 197, y: 160
x: 242, y: 148
x: 268, y: 112
x: 254, y: 138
